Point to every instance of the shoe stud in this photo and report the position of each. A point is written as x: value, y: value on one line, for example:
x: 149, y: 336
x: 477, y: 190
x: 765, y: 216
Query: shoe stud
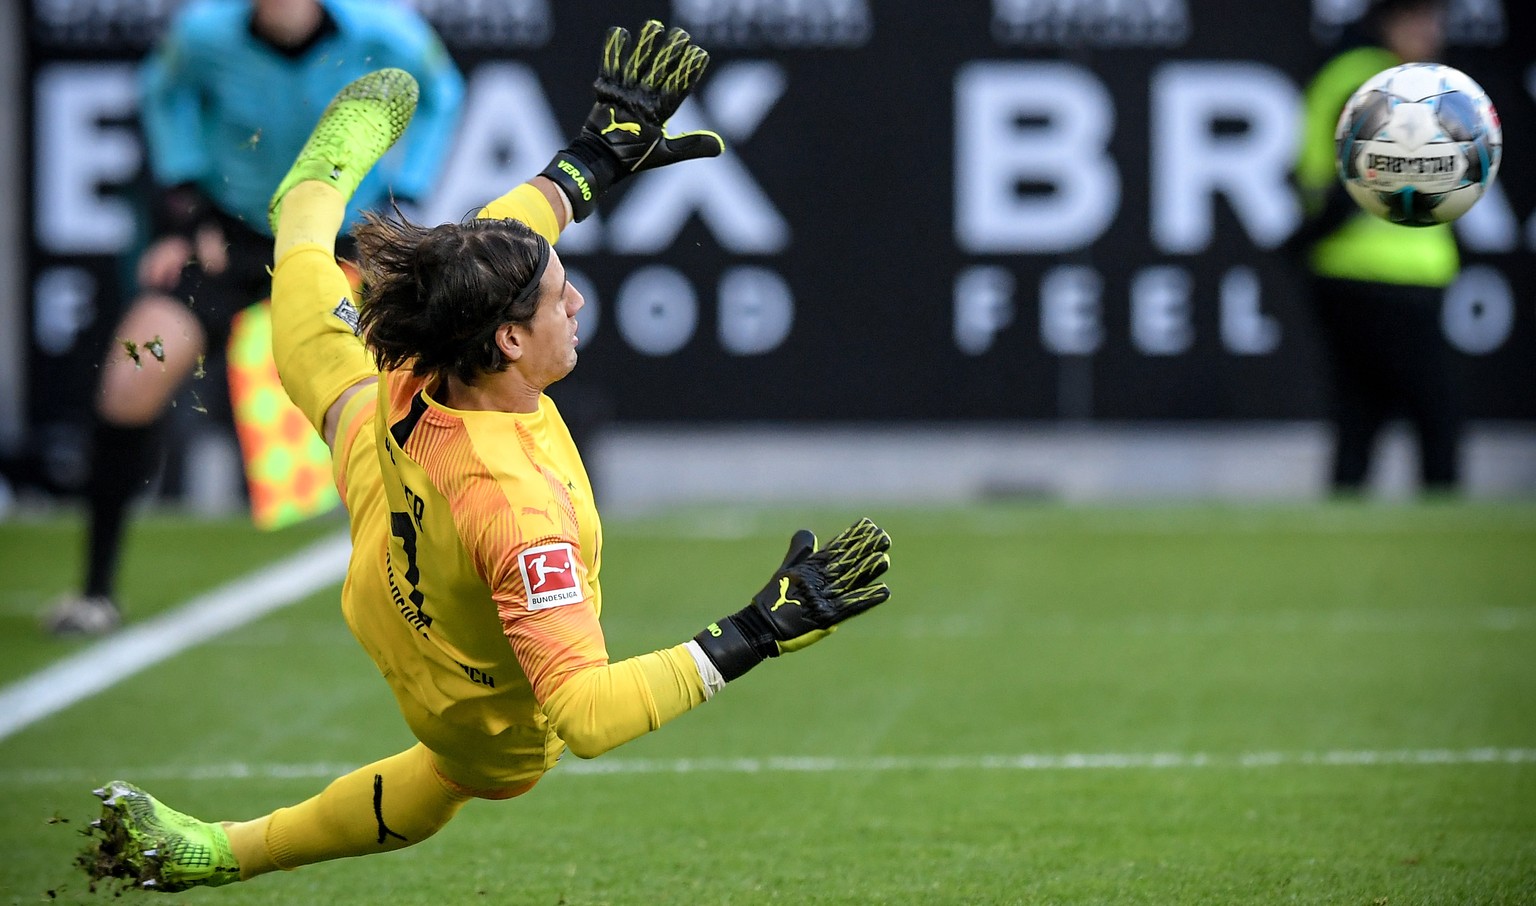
x: 152, y: 853
x: 99, y: 792
x: 151, y: 884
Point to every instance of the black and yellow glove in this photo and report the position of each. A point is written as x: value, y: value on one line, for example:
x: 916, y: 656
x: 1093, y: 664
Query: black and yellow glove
x: 638, y: 89
x: 811, y: 593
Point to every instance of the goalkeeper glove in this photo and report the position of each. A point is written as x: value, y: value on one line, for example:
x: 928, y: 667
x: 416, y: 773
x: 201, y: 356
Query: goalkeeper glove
x: 811, y: 593
x: 638, y: 89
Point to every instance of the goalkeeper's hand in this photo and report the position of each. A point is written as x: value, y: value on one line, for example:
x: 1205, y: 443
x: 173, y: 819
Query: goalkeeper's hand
x: 639, y: 86
x: 811, y: 593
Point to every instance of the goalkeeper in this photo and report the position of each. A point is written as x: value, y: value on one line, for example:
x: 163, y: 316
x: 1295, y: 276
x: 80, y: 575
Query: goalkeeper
x: 474, y: 579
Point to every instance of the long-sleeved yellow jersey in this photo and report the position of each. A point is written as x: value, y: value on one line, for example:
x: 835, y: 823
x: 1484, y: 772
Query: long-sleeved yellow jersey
x: 473, y: 582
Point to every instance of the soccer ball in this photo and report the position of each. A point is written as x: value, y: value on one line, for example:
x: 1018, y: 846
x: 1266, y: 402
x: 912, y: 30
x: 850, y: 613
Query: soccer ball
x: 1418, y: 144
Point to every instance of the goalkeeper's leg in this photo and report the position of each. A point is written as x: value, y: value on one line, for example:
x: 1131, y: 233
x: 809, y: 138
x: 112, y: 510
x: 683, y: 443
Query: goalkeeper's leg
x: 387, y: 805
x: 318, y: 355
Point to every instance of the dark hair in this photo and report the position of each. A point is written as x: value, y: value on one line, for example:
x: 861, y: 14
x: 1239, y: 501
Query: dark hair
x: 434, y: 297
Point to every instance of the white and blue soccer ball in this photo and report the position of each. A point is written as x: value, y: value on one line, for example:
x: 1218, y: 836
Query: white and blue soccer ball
x: 1418, y: 144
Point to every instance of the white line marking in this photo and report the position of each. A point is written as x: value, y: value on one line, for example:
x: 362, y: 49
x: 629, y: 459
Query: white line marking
x: 1076, y: 761
x: 1455, y: 617
x: 1041, y: 762
x: 142, y: 645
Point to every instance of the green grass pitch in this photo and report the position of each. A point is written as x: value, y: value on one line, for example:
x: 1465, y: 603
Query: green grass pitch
x: 1162, y: 705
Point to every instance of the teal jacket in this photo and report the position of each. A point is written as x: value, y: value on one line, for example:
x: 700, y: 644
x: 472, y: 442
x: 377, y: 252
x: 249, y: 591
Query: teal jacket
x: 228, y: 112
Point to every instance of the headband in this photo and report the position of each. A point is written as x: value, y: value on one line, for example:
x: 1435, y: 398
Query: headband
x: 532, y: 286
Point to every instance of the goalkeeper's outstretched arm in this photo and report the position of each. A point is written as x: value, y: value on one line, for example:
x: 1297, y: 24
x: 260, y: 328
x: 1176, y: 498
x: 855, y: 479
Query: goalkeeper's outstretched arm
x: 640, y: 83
x: 597, y: 708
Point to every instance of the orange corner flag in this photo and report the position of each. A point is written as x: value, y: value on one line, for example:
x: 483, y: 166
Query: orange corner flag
x: 287, y: 465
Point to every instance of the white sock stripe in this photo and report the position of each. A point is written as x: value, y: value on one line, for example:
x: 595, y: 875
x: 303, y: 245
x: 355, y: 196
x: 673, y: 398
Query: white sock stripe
x: 142, y: 645
x: 809, y: 764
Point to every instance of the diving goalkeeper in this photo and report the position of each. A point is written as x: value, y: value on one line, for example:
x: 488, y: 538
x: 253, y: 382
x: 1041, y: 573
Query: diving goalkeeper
x: 476, y: 546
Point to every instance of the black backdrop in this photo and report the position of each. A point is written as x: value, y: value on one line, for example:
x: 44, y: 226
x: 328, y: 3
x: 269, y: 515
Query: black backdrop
x: 928, y: 212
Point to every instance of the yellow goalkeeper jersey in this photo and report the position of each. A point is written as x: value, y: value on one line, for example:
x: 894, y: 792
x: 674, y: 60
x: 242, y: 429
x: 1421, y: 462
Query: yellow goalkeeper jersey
x: 474, y: 581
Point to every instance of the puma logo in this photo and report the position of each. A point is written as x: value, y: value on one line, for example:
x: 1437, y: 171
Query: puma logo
x: 378, y: 811
x: 632, y: 128
x: 531, y: 511
x: 783, y: 595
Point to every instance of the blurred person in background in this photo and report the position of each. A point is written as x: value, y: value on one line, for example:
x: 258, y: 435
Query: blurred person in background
x: 228, y: 98
x: 1377, y: 287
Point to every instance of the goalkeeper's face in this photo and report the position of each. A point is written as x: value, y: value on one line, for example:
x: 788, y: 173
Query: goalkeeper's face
x: 548, y: 341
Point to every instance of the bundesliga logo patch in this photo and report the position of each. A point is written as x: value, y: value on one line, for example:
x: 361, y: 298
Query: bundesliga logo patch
x: 549, y: 575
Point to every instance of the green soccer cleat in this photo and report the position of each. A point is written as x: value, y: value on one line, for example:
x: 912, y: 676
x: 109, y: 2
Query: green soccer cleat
x: 357, y: 127
x: 140, y: 841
